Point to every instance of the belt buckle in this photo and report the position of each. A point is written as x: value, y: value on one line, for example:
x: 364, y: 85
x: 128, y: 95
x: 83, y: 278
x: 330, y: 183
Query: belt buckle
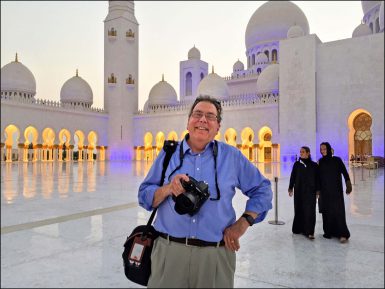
x: 186, y: 243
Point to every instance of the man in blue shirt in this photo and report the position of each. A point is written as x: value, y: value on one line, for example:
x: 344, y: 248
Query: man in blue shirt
x: 198, y: 250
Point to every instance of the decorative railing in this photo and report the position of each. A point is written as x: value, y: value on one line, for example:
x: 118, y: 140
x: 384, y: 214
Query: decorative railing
x: 51, y: 103
x: 247, y: 99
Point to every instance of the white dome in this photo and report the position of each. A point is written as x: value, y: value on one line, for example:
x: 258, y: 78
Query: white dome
x: 382, y: 16
x: 361, y: 30
x: 76, y: 89
x: 261, y: 58
x: 369, y: 5
x: 295, y: 31
x: 16, y: 77
x: 162, y: 93
x: 194, y: 53
x: 214, y: 86
x: 271, y: 22
x: 238, y: 66
x: 268, y: 80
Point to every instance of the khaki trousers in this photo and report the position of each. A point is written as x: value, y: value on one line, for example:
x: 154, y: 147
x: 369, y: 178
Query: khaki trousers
x: 175, y: 265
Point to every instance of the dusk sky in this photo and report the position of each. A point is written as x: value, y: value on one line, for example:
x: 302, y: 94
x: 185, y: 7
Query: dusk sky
x: 54, y: 38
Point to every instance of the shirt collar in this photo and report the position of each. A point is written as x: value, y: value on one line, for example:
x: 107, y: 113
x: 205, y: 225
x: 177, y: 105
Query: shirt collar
x: 186, y: 147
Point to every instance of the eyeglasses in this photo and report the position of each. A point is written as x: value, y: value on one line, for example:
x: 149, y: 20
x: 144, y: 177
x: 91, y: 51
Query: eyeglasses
x: 209, y: 116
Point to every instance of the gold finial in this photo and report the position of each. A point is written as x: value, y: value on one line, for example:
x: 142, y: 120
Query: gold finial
x: 162, y: 77
x: 212, y: 69
x: 16, y: 59
x: 77, y: 72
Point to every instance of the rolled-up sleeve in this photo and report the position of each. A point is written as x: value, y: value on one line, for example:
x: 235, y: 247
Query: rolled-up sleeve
x: 151, y: 183
x: 255, y: 186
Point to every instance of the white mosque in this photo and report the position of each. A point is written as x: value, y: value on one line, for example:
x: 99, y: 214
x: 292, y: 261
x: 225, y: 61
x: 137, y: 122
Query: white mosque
x: 293, y: 90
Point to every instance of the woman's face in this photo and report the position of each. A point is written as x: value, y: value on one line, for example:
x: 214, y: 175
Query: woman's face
x: 323, y: 150
x: 303, y: 154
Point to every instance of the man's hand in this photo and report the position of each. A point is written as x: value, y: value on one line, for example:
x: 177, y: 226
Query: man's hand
x: 175, y: 188
x: 290, y: 191
x: 234, y: 232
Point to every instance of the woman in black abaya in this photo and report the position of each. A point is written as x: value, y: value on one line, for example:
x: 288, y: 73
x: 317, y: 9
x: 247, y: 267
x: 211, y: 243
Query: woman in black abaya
x: 331, y: 201
x: 304, y: 180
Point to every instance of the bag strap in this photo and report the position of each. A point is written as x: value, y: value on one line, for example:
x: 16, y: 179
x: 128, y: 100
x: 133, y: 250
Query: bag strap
x: 169, y: 147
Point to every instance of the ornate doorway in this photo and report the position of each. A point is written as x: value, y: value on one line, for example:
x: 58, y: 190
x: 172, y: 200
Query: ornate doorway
x: 362, y: 135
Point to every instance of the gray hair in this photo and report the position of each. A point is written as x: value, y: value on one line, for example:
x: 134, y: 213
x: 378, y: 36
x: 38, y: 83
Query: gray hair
x: 211, y: 100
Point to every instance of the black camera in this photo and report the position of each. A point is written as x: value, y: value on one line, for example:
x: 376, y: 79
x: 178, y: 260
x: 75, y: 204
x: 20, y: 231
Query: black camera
x: 193, y: 198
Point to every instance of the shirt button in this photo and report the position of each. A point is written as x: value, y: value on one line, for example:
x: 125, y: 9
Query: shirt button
x: 197, y: 169
x: 193, y: 220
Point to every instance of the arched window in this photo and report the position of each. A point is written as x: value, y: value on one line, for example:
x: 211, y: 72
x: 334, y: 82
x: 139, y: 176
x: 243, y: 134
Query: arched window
x: 248, y: 62
x: 188, y: 83
x: 202, y: 75
x: 253, y: 60
x: 371, y: 26
x: 274, y: 55
x: 259, y: 70
x: 267, y: 54
x: 377, y: 25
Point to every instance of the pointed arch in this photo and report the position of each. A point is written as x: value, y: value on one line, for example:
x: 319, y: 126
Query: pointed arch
x: 172, y: 135
x: 265, y: 145
x: 148, y: 151
x: 247, y: 136
x: 12, y: 135
x: 231, y: 137
x: 358, y: 144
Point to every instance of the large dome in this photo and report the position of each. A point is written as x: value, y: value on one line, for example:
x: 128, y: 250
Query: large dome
x: 271, y: 22
x: 162, y: 93
x: 16, y: 77
x: 361, y: 30
x: 369, y: 5
x: 268, y: 80
x: 214, y: 86
x: 76, y: 90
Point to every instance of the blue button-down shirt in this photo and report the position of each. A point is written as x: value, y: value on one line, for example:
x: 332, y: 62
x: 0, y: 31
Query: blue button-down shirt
x: 234, y: 171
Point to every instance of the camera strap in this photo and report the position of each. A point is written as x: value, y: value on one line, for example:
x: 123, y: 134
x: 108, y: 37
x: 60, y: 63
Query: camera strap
x: 169, y: 147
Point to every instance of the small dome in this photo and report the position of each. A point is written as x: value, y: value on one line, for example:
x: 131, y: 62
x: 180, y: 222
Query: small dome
x: 194, y: 53
x: 261, y: 58
x: 238, y: 66
x: 361, y: 30
x: 369, y: 5
x: 16, y: 77
x: 214, y: 86
x: 295, y: 31
x: 76, y: 89
x: 271, y: 22
x: 382, y: 17
x: 268, y: 80
x: 162, y: 93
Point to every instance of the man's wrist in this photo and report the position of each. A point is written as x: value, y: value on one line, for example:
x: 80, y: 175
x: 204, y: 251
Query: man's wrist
x: 249, y: 219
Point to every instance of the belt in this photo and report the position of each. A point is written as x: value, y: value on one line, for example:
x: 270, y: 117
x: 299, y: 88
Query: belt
x: 192, y: 242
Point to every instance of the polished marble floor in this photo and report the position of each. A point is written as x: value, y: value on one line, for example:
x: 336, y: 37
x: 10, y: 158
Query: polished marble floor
x: 64, y: 225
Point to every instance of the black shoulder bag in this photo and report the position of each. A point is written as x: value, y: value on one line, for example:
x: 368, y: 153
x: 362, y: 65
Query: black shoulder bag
x: 138, y: 246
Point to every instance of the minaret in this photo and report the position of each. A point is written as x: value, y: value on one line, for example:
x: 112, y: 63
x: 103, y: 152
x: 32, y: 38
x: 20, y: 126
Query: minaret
x: 121, y: 37
x: 192, y: 71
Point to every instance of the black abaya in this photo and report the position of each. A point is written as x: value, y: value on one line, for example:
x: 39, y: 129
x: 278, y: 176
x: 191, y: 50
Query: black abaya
x: 331, y: 201
x: 304, y: 180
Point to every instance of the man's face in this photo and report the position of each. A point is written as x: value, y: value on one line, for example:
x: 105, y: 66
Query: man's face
x: 203, y: 124
x: 323, y: 150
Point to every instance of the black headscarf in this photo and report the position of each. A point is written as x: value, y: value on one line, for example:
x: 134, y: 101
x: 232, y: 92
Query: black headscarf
x: 328, y: 149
